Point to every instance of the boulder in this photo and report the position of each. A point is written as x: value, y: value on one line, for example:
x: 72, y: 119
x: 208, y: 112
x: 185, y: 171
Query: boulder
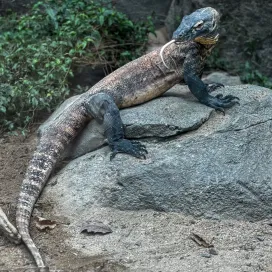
x: 200, y: 163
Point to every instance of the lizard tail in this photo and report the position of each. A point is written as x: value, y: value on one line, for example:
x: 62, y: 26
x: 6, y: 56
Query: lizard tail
x: 38, y: 172
x: 52, y: 142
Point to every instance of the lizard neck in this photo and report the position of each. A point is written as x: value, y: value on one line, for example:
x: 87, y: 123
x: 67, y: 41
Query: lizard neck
x: 207, y: 43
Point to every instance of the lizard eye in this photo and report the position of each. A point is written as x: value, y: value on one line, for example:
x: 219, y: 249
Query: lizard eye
x: 198, y: 25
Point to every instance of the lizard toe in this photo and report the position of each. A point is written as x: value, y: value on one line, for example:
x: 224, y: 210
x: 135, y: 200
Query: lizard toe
x: 133, y: 148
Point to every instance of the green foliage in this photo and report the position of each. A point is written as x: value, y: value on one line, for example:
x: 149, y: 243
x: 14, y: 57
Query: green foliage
x: 252, y: 76
x: 39, y: 52
x: 249, y: 73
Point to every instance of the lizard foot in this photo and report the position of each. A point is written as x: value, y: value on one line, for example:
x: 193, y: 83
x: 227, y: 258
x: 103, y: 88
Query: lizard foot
x: 220, y: 102
x: 214, y: 86
x: 133, y: 148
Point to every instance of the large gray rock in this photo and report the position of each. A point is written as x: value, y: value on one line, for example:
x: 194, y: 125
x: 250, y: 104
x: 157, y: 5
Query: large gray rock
x: 222, y: 170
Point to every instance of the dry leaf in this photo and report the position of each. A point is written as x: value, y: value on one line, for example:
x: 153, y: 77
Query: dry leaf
x: 95, y: 227
x: 43, y: 224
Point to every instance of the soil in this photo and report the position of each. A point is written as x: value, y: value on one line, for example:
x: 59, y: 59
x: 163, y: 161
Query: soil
x: 159, y: 241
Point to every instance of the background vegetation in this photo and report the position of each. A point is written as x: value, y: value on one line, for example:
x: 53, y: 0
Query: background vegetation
x: 40, y: 50
x: 248, y: 72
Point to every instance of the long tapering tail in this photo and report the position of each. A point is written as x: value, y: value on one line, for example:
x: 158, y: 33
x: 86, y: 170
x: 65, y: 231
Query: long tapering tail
x: 40, y: 168
x: 51, y: 144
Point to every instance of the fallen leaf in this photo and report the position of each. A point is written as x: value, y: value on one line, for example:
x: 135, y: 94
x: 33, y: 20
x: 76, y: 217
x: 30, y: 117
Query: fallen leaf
x: 200, y: 241
x: 95, y: 227
x: 43, y: 224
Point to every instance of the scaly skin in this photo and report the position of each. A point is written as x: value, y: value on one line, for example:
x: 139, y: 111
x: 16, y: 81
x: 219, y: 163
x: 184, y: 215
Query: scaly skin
x: 136, y: 82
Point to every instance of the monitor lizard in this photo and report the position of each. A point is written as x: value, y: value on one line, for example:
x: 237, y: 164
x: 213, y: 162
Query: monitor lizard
x: 179, y: 61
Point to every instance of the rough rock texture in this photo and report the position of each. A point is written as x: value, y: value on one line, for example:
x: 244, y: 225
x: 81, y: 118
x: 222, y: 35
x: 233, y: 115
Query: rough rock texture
x: 222, y: 170
x: 245, y: 32
x: 224, y: 78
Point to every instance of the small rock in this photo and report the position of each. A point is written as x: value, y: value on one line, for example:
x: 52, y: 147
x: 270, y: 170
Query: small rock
x: 213, y: 251
x: 206, y: 255
x: 260, y: 238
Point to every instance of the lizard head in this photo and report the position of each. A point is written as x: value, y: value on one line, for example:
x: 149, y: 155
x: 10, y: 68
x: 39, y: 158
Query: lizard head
x: 200, y: 26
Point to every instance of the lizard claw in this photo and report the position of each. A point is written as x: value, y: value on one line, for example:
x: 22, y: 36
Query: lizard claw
x: 133, y: 148
x: 220, y: 102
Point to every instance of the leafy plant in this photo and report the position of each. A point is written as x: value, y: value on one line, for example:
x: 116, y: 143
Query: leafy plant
x: 39, y: 52
x: 253, y: 76
x: 248, y: 72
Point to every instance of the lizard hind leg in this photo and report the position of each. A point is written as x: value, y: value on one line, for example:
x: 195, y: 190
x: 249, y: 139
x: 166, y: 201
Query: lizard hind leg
x: 102, y: 107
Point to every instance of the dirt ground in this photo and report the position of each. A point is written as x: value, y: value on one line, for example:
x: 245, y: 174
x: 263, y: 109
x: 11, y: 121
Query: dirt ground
x: 238, y: 246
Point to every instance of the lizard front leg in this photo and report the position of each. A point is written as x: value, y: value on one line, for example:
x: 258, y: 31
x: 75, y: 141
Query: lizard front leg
x: 102, y: 107
x: 200, y: 90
